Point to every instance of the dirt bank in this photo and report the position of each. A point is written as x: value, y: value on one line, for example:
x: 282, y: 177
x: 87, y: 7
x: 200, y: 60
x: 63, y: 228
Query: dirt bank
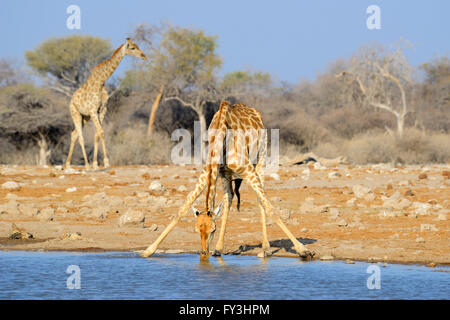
x: 373, y: 213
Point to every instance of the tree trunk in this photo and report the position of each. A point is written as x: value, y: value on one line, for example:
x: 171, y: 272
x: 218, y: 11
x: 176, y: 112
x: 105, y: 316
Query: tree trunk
x: 400, y: 125
x: 44, y: 153
x: 155, y: 106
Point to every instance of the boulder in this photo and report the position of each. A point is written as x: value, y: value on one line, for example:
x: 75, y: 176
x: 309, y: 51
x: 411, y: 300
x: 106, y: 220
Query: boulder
x: 155, y: 186
x: 46, y: 214
x: 132, y: 218
x: 360, y: 191
x: 11, y: 185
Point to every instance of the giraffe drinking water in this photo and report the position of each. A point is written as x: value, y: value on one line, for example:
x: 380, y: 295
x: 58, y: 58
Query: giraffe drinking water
x: 244, y: 160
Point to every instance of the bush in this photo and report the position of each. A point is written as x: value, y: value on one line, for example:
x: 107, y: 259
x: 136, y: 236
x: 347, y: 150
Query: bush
x: 131, y: 145
x: 373, y: 147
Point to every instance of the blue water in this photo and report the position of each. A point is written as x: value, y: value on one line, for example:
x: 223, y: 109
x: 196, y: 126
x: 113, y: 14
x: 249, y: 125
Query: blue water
x: 123, y: 275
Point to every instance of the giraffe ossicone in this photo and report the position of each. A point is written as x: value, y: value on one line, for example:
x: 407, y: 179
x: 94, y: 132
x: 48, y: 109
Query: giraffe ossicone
x: 89, y: 102
x: 236, y: 166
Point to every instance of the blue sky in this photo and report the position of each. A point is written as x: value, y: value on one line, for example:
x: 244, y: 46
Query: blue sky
x: 290, y: 39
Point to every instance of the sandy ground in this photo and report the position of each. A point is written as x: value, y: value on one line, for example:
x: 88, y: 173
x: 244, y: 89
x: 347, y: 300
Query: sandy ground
x: 372, y: 213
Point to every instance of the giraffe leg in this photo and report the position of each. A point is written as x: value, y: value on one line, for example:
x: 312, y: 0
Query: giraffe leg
x: 77, y: 121
x: 102, y: 113
x: 200, y: 186
x: 252, y: 178
x: 100, y: 134
x: 95, y: 163
x: 228, y: 198
x: 265, y: 243
x: 73, y: 140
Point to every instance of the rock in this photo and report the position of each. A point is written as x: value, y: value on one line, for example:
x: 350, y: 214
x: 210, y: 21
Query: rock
x: 351, y: 202
x: 327, y: 258
x: 132, y: 218
x: 62, y: 211
x: 421, y: 208
x: 10, y: 207
x: 174, y: 251
x: 334, y: 212
x: 349, y: 262
x: 19, y: 233
x: 427, y: 227
x: 73, y: 189
x: 431, y: 265
x: 153, y: 227
x: 285, y: 214
x: 28, y: 209
x: 332, y: 175
x: 275, y: 176
x: 99, y: 213
x: 11, y: 185
x: 389, y: 186
x: 155, y: 186
x: 275, y: 199
x: 293, y: 222
x: 420, y: 240
x: 84, y: 211
x: 342, y: 223
x: 360, y: 191
x: 142, y: 194
x: 181, y: 188
x: 442, y: 217
x: 46, y: 214
x: 72, y: 236
x: 318, y: 166
x: 446, y: 174
x: 374, y: 259
x: 423, y: 176
x: 369, y: 197
x: 307, y: 205
x: 409, y: 193
x: 395, y: 204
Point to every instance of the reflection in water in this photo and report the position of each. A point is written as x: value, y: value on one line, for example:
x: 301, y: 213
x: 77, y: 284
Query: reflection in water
x: 122, y: 275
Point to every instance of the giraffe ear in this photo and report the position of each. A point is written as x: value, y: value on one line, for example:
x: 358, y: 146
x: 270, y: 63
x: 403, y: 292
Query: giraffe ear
x: 195, y: 211
x: 218, y: 211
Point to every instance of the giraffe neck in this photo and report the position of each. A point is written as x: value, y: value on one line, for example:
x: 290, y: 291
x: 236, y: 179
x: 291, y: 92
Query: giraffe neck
x: 105, y: 69
x: 216, y: 145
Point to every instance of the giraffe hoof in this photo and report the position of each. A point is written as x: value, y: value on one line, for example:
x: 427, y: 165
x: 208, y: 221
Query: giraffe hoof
x: 306, y: 254
x: 264, y: 254
x: 217, y: 253
x: 95, y: 166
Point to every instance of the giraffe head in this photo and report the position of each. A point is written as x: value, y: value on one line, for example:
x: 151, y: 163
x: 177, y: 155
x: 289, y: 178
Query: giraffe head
x: 206, y: 226
x: 133, y: 50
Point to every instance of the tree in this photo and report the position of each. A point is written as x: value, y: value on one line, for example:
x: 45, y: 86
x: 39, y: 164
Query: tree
x: 183, y: 66
x: 437, y: 82
x: 30, y: 115
x: 10, y: 73
x: 382, y: 77
x: 65, y: 63
x: 250, y: 86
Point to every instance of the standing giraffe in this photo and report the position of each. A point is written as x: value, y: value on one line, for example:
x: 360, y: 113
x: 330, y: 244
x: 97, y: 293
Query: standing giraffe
x: 245, y: 144
x: 89, y: 102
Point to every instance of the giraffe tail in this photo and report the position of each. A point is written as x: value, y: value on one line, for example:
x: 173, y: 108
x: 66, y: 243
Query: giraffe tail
x: 237, y: 185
